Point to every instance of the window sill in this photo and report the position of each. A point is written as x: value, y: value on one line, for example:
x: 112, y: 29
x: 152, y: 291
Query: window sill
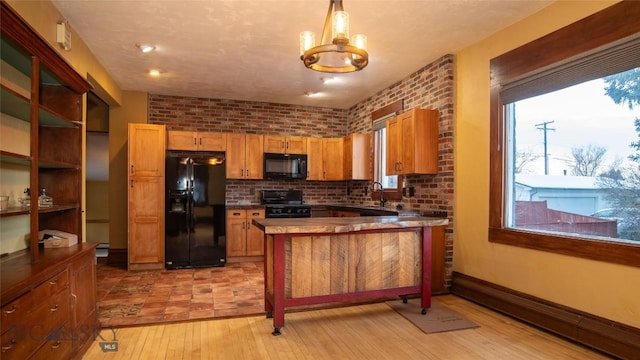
x: 599, y: 250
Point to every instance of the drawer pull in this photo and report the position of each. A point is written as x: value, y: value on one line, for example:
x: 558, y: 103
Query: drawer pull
x: 11, y: 311
x: 53, y: 282
x: 255, y: 214
x: 8, y: 347
x: 54, y: 308
x: 56, y: 345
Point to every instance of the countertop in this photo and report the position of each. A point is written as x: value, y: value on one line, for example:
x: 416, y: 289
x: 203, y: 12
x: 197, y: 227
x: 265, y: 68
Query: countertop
x: 323, y: 225
x: 389, y: 211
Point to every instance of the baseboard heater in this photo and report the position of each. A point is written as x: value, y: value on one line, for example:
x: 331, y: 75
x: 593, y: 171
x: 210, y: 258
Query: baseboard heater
x: 608, y: 336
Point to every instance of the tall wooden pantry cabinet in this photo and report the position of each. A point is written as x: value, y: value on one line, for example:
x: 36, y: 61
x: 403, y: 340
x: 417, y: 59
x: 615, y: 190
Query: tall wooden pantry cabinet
x: 147, y: 145
x: 45, y: 292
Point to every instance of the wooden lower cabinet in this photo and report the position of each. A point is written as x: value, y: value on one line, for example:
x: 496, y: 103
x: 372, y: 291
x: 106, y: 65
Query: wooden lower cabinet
x: 49, y: 310
x: 243, y: 238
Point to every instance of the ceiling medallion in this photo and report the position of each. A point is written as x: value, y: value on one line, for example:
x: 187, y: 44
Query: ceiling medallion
x: 339, y: 56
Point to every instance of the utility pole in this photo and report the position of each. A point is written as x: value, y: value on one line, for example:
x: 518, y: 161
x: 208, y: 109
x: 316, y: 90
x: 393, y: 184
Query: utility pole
x: 543, y: 126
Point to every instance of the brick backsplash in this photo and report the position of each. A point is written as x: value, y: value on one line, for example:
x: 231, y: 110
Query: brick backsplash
x: 431, y: 87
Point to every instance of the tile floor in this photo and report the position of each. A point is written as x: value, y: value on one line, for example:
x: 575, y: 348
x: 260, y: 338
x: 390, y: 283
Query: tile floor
x: 149, y: 297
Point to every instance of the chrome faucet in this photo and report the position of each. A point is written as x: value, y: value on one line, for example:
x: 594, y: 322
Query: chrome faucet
x: 373, y: 188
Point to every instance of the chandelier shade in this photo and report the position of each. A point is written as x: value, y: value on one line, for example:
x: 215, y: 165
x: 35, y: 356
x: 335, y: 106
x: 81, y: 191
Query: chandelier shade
x: 340, y: 55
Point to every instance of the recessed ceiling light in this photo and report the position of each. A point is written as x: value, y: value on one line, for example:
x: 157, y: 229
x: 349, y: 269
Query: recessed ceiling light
x: 311, y: 94
x: 145, y: 48
x: 329, y: 80
x: 154, y: 72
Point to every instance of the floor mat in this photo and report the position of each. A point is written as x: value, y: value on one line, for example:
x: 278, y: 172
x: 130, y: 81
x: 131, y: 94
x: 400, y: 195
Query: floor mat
x: 438, y: 318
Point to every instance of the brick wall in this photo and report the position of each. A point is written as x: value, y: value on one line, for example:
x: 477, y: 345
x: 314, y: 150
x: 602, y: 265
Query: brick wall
x: 431, y: 87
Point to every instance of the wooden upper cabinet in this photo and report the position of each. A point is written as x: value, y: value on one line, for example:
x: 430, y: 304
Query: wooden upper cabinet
x: 196, y: 140
x: 314, y: 159
x: 244, y: 156
x: 332, y: 159
x: 146, y: 149
x: 285, y: 144
x: 412, y: 143
x: 325, y: 159
x: 357, y: 157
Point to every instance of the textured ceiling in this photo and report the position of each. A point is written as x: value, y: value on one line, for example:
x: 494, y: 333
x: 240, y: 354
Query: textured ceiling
x: 248, y: 50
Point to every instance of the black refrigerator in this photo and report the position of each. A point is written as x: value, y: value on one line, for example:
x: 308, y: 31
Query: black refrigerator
x: 195, y: 211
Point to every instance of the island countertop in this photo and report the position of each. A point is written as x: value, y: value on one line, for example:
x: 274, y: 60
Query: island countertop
x: 323, y: 225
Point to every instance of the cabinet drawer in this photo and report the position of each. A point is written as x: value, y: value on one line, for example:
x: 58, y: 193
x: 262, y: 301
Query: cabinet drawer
x: 50, y: 314
x: 51, y: 286
x: 17, y: 343
x: 238, y: 213
x: 54, y: 350
x: 255, y: 214
x: 16, y: 311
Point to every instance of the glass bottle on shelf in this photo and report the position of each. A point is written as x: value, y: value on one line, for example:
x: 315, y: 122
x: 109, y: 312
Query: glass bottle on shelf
x: 44, y: 200
x: 26, y: 199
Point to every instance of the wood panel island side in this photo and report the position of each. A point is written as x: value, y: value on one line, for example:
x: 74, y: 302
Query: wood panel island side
x: 326, y: 260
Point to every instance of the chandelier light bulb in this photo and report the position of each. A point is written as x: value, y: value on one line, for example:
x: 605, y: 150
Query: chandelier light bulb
x: 340, y: 25
x: 307, y: 41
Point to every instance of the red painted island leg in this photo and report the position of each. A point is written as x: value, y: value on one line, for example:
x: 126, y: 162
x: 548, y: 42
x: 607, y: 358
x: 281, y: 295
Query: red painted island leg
x: 426, y: 268
x: 278, y: 283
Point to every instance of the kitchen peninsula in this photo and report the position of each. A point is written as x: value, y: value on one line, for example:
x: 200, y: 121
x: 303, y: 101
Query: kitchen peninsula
x: 323, y: 260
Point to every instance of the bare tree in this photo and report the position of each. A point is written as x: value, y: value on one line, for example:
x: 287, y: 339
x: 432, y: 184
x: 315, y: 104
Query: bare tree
x: 523, y: 160
x: 587, y: 160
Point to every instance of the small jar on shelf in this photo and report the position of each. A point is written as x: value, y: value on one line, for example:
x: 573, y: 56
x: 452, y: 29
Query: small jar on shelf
x: 44, y: 200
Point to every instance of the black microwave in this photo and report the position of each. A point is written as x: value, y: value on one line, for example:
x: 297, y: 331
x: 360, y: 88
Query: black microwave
x: 285, y: 166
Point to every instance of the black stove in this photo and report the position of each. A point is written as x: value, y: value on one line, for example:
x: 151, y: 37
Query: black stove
x: 284, y: 204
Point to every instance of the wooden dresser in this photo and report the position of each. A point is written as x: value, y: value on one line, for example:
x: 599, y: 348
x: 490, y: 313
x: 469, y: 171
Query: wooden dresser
x: 49, y: 308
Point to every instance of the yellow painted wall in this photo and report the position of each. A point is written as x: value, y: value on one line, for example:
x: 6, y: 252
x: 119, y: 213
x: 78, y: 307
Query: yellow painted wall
x: 133, y: 110
x: 599, y: 288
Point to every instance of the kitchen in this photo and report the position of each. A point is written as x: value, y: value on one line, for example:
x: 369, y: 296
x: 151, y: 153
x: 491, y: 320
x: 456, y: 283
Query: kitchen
x: 430, y: 191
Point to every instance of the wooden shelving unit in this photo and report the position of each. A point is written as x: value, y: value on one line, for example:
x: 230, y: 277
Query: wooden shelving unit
x: 53, y: 107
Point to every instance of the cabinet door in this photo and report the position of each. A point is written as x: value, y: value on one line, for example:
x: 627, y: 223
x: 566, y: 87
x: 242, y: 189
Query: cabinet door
x: 274, y: 144
x: 235, y: 156
x: 84, y: 297
x: 146, y: 149
x: 394, y: 143
x: 254, y: 154
x: 314, y: 159
x: 296, y: 145
x: 360, y: 154
x: 425, y: 141
x: 181, y: 140
x: 332, y: 158
x: 408, y: 142
x: 255, y: 236
x: 146, y: 223
x: 236, y: 233
x: 212, y: 141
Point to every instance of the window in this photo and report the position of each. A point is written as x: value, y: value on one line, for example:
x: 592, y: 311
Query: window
x: 534, y: 203
x: 390, y: 183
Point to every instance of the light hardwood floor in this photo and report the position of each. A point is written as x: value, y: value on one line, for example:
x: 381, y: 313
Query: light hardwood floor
x: 371, y: 331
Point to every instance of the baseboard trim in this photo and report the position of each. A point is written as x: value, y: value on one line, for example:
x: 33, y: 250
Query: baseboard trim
x: 608, y: 336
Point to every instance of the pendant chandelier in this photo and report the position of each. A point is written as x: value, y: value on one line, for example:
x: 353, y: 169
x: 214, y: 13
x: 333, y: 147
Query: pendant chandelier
x: 340, y: 55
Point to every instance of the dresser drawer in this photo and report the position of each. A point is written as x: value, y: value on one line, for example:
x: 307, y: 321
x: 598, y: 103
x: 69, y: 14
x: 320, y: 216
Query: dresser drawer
x: 17, y: 343
x: 51, y: 286
x: 54, y: 350
x: 50, y: 314
x: 15, y: 312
